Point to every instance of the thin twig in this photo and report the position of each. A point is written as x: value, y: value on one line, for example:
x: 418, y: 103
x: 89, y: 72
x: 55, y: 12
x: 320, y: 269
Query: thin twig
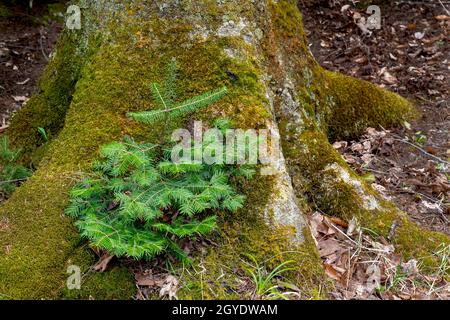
x: 445, y: 8
x: 20, y: 47
x: 42, y: 45
x: 400, y: 190
x: 16, y: 180
x: 423, y: 151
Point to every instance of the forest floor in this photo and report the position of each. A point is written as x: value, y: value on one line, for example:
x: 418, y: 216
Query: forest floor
x: 27, y: 39
x: 409, y: 165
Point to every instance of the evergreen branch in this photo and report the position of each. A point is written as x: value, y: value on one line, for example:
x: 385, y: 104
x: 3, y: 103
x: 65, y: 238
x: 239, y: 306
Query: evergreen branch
x: 190, y: 105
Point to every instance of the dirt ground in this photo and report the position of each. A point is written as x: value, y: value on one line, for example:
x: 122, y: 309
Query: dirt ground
x: 409, y: 164
x: 26, y: 42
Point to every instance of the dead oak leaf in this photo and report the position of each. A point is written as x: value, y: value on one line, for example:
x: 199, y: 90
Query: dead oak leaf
x: 317, y: 224
x: 339, y: 222
x: 102, y: 264
x: 331, y: 272
x: 442, y: 17
x: 143, y: 280
x: 149, y: 280
x: 328, y: 247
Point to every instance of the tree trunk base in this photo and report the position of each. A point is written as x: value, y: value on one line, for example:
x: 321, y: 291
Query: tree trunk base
x: 102, y: 72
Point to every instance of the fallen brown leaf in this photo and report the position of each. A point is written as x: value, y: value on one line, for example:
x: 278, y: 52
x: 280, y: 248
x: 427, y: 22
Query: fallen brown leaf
x: 442, y: 17
x: 331, y: 272
x: 102, y: 264
x: 328, y: 247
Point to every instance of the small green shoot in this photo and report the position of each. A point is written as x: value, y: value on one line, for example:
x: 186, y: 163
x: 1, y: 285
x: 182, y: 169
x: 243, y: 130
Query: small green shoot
x: 263, y: 279
x: 10, y: 173
x: 420, y: 138
x: 43, y: 133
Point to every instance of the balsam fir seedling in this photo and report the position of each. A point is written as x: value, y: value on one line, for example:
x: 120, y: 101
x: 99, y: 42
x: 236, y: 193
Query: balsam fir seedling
x: 138, y: 203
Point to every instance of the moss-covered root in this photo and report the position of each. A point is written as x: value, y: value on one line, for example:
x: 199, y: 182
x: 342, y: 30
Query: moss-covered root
x: 319, y: 172
x: 355, y: 105
x: 48, y: 107
x: 38, y: 243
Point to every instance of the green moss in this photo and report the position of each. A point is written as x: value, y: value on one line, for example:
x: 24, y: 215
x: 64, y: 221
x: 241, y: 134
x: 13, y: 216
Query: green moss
x: 359, y: 104
x: 417, y: 243
x: 115, y: 284
x: 287, y: 18
x: 344, y: 106
x: 4, y: 11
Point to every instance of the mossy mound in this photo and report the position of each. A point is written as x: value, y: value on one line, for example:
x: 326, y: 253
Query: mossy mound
x: 357, y: 105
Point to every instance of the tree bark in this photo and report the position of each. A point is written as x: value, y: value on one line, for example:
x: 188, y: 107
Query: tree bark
x: 101, y: 72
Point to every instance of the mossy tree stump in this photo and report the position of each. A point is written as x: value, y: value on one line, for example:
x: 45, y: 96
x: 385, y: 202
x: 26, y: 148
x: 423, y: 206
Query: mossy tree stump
x: 101, y: 72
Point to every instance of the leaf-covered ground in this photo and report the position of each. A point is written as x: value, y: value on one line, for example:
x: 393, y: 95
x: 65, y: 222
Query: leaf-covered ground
x: 27, y: 39
x: 408, y: 55
x: 408, y: 165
